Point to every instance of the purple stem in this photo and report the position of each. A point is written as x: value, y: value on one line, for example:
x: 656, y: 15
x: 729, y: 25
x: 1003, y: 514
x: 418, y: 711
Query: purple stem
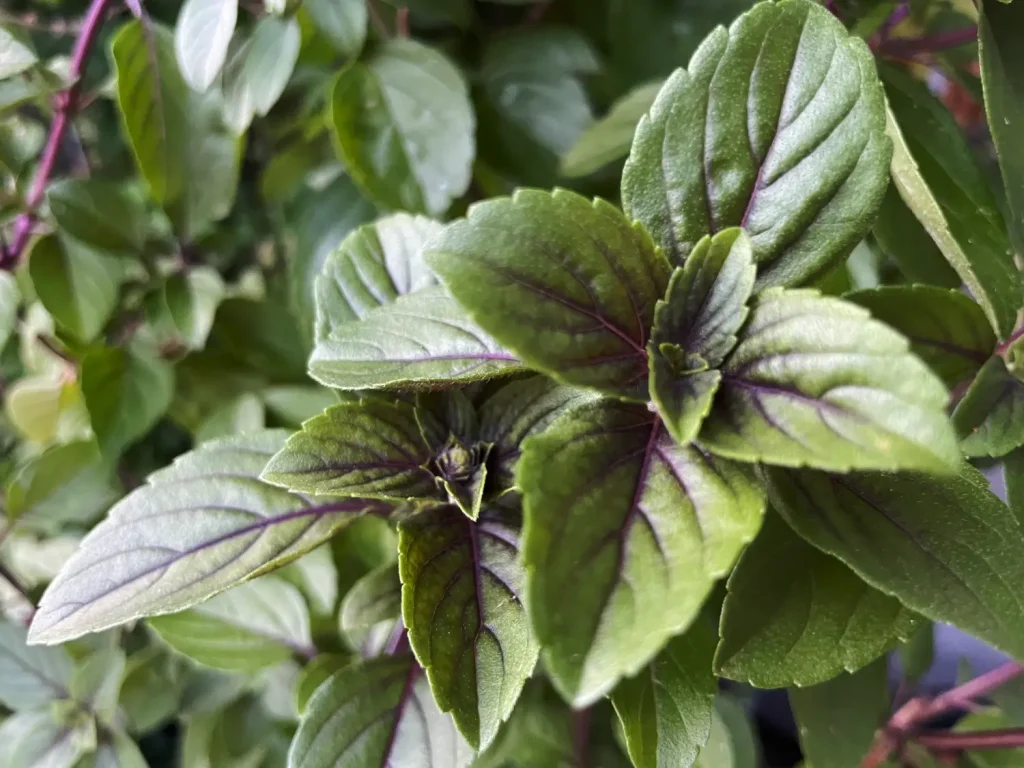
x: 67, y: 102
x: 901, y: 12
x: 909, y: 47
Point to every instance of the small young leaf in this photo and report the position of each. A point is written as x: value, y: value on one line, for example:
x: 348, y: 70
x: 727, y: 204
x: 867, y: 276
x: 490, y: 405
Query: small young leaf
x: 30, y: 678
x: 695, y: 328
x: 422, y: 339
x: 945, y: 328
x: 815, y: 381
x: 254, y: 625
x: 257, y: 73
x: 838, y: 719
x: 404, y: 127
x: 796, y: 616
x: 103, y: 214
x: 990, y: 417
x: 462, y: 602
x: 625, y: 535
x: 665, y: 711
x: 373, y: 266
x: 343, y: 22
x: 946, y: 547
x: 374, y: 600
x: 789, y: 83
x: 371, y: 449
x: 377, y: 713
x: 566, y: 283
x: 196, y: 528
x: 201, y: 39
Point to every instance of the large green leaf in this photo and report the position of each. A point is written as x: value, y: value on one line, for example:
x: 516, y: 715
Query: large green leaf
x: 374, y: 265
x: 16, y: 54
x: 404, y: 127
x: 945, y: 328
x: 201, y: 39
x: 254, y: 625
x: 625, y: 535
x: 30, y: 678
x: 990, y: 417
x: 946, y: 547
x: 103, y: 214
x: 665, y: 711
x: 860, y: 702
x: 196, y: 528
x: 1002, y: 75
x: 372, y: 448
x: 343, y: 22
x: 375, y: 714
x: 462, y: 589
x: 257, y: 73
x: 695, y: 328
x: 77, y: 285
x: 934, y: 170
x: 814, y: 381
x: 126, y: 392
x: 567, y: 284
x: 423, y: 338
x: 796, y: 616
x: 186, y: 155
x: 778, y: 126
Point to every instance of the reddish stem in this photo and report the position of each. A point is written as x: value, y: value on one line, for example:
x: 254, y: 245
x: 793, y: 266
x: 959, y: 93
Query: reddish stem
x: 67, y: 103
x: 910, y: 47
x: 945, y: 741
x: 402, y: 22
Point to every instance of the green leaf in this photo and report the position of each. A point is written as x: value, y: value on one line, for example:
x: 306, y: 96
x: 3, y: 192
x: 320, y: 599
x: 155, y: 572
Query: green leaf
x: 903, y: 239
x: 373, y: 714
x: 316, y: 576
x: 404, y: 127
x: 1002, y: 65
x: 343, y: 22
x: 935, y: 172
x: 183, y: 308
x: 33, y: 406
x: 39, y: 739
x: 789, y: 83
x: 371, y: 448
x: 151, y: 691
x: 16, y: 54
x: 96, y: 684
x: 815, y: 381
x: 77, y: 285
x: 945, y: 328
x: 806, y: 622
x: 695, y: 328
x: 116, y: 751
x: 917, y: 653
x: 731, y: 743
x: 1013, y: 471
x: 625, y: 535
x: 609, y: 139
x: 186, y: 155
x: 10, y: 298
x: 860, y: 702
x: 373, y: 266
x: 126, y: 392
x: 462, y: 589
x: 201, y: 39
x: 567, y: 284
x: 247, y: 628
x: 946, y: 547
x: 422, y: 339
x: 197, y: 527
x: 257, y: 73
x: 103, y: 214
x: 372, y: 604
x: 30, y: 678
x: 665, y: 711
x: 990, y: 417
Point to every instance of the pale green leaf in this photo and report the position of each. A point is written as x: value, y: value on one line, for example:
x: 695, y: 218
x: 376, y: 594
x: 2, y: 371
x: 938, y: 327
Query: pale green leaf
x: 316, y: 576
x: 777, y: 127
x: 249, y: 627
x: 196, y: 528
x: 371, y: 607
x: 371, y: 267
x: 115, y: 750
x: 201, y: 39
x: 990, y: 417
x: 695, y: 328
x: 343, y: 22
x: 153, y: 684
x: 126, y: 392
x: 796, y: 616
x: 462, y: 586
x: 40, y: 740
x: 404, y: 127
x: 731, y: 743
x: 16, y: 54
x: 946, y: 547
x: 182, y: 310
x: 625, y: 535
x: 30, y: 678
x: 239, y: 416
x: 298, y: 403
x: 567, y: 284
x: 665, y: 711
x: 945, y: 328
x: 315, y: 674
x: 33, y: 406
x: 814, y: 381
x: 96, y: 684
x: 10, y: 298
x: 917, y: 653
x: 377, y: 713
x: 102, y: 214
x: 424, y: 338
x: 256, y: 74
